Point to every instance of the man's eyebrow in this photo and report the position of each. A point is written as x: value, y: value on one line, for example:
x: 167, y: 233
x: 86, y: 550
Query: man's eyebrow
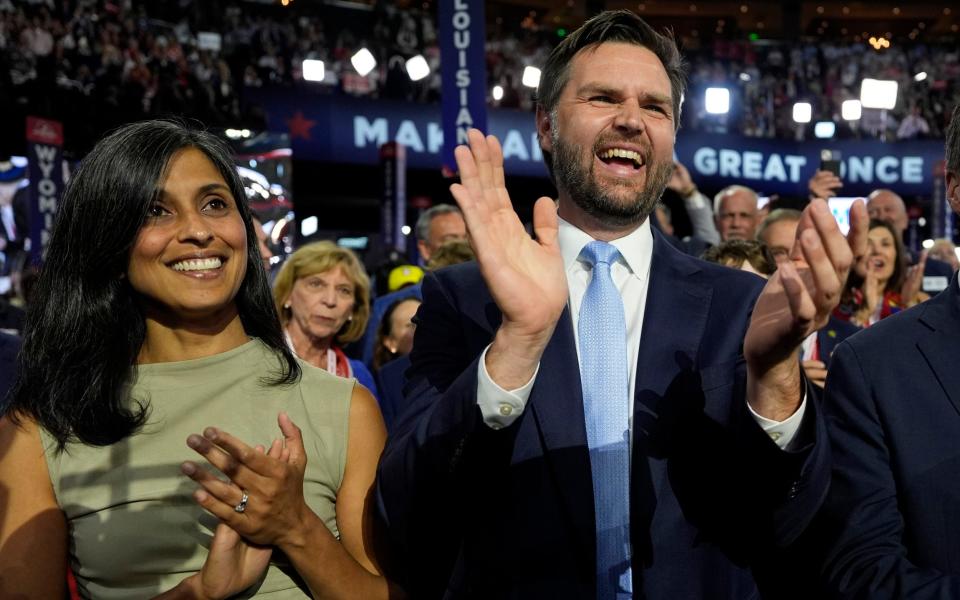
x: 607, y: 90
x: 598, y: 88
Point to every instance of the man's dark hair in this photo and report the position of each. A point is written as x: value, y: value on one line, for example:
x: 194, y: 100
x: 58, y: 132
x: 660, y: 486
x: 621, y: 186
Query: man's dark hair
x: 733, y: 253
x: 610, y: 26
x: 85, y: 326
x: 952, y: 150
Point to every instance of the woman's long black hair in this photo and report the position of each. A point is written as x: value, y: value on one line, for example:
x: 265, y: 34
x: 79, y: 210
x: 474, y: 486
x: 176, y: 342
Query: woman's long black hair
x: 84, y: 327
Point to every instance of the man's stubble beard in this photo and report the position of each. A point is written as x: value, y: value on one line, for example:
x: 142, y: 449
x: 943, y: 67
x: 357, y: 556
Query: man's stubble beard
x: 593, y: 199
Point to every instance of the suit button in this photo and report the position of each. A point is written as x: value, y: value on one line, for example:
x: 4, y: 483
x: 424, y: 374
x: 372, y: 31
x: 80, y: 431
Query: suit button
x: 794, y: 490
x: 506, y: 410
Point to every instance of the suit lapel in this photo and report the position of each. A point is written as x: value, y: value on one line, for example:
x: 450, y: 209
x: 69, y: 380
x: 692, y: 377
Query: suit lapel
x: 556, y: 402
x: 668, y: 344
x: 940, y: 347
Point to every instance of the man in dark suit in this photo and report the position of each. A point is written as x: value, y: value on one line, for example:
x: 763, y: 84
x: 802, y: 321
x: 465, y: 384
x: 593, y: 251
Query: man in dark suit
x: 547, y: 453
x: 14, y: 210
x: 9, y: 348
x: 893, y: 412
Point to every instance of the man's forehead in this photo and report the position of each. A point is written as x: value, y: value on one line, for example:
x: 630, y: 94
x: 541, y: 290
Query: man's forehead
x: 885, y: 200
x: 583, y: 62
x: 740, y: 199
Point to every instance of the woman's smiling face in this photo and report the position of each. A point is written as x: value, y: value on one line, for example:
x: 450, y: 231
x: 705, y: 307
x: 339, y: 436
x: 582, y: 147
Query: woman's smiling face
x: 190, y: 256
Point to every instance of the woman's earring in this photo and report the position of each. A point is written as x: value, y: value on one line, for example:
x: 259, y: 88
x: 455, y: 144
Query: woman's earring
x: 287, y: 305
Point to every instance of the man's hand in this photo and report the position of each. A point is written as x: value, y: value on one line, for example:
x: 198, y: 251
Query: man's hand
x: 797, y: 301
x: 680, y: 181
x: 525, y: 276
x: 824, y: 184
x: 816, y: 372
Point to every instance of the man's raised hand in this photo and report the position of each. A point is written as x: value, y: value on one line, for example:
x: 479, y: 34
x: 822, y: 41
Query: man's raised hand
x: 525, y: 276
x: 797, y: 301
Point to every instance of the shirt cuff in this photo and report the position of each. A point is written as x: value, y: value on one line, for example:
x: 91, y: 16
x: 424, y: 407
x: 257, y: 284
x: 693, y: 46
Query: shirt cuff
x: 783, y: 433
x: 500, y: 407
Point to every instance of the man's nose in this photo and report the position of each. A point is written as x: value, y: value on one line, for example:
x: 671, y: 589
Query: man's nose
x: 629, y: 116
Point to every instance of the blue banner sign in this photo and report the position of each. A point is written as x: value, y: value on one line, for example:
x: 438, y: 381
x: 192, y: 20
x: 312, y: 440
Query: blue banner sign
x: 349, y: 130
x: 462, y: 71
x: 45, y: 159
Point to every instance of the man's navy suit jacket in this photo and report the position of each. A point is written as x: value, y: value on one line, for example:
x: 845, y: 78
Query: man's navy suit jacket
x: 830, y: 336
x: 893, y: 414
x: 474, y: 512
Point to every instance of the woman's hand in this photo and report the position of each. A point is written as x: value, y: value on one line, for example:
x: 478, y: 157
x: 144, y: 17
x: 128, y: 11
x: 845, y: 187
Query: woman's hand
x: 272, y: 482
x: 910, y: 293
x: 232, y: 566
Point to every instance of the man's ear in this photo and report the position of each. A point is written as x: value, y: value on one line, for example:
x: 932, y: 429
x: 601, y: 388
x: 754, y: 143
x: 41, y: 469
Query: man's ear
x: 424, y: 250
x: 544, y: 129
x: 953, y: 191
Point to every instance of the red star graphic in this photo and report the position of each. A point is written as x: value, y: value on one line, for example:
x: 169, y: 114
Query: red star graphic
x: 300, y: 126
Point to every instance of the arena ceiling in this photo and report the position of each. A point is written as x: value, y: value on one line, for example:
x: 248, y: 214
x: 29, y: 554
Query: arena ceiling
x: 834, y: 20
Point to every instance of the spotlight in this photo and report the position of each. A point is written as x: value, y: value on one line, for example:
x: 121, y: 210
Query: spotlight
x: 921, y: 76
x: 417, y: 68
x: 363, y: 61
x: 313, y: 70
x: 878, y: 93
x: 497, y: 93
x: 851, y: 110
x: 824, y: 129
x: 802, y: 112
x: 717, y: 100
x: 308, y: 226
x: 531, y: 77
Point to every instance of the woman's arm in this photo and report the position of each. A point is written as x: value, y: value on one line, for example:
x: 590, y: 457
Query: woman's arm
x: 33, y: 530
x: 278, y: 515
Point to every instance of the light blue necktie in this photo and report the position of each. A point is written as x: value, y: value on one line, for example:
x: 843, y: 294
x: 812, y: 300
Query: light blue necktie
x: 606, y: 406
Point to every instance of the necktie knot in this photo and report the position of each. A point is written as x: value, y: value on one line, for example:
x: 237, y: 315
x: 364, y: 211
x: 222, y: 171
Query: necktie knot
x: 600, y: 253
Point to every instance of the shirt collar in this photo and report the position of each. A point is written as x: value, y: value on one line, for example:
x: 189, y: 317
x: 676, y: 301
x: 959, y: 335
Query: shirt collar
x: 636, y: 248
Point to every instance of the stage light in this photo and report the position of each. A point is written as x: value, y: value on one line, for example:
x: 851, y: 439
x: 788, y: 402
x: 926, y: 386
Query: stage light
x: 745, y: 77
x: 922, y: 75
x: 802, y: 112
x: 497, y: 93
x: 851, y: 110
x: 363, y: 61
x: 313, y: 70
x: 531, y: 77
x: 308, y: 226
x: 717, y: 100
x: 878, y: 93
x: 405, y: 230
x: 927, y: 244
x: 824, y: 129
x: 417, y: 68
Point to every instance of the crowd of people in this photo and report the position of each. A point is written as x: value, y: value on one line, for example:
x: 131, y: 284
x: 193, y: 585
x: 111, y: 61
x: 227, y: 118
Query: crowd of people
x: 144, y: 59
x: 591, y: 411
